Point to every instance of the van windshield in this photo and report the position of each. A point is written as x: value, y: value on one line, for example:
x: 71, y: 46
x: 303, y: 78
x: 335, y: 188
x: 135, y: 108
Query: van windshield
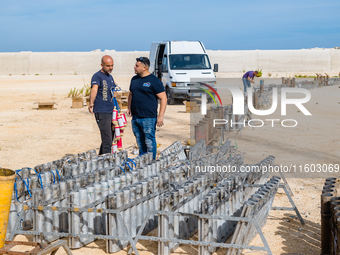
x: 189, y: 61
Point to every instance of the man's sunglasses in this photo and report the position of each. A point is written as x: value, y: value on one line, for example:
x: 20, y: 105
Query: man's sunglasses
x: 143, y: 60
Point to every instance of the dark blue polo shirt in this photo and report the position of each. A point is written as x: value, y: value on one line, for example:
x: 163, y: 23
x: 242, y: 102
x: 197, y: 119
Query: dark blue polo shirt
x: 103, y: 101
x: 144, y: 90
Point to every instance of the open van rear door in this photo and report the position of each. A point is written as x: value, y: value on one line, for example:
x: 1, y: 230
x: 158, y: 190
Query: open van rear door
x: 152, y: 56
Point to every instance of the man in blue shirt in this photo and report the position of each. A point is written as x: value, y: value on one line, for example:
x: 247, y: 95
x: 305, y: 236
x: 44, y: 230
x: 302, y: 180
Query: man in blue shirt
x: 247, y: 78
x: 145, y: 90
x: 101, y: 102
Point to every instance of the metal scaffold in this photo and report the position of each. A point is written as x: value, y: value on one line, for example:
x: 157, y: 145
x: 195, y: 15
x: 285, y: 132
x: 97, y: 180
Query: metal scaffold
x: 112, y: 197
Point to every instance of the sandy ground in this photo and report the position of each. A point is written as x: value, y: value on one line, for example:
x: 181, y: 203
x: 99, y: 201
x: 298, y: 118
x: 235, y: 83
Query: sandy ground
x: 29, y: 137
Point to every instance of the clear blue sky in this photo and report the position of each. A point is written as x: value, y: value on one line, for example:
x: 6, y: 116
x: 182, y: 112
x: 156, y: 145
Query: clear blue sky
x: 125, y: 25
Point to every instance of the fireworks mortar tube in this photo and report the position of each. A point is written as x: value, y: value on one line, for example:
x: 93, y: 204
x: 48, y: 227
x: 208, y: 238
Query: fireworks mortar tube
x: 115, y: 117
x: 121, y: 122
x: 119, y: 144
x: 117, y: 133
x: 124, y: 118
x: 114, y: 148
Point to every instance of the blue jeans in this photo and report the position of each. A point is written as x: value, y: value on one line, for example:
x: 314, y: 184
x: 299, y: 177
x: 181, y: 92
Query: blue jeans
x: 144, y: 130
x: 246, y: 83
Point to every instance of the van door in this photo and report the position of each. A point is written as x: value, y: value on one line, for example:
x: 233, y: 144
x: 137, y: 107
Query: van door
x: 164, y: 62
x: 152, y: 56
x: 159, y: 61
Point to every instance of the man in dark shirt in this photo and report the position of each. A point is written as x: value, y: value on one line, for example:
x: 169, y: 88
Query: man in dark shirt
x: 247, y: 78
x: 101, y: 102
x: 145, y: 90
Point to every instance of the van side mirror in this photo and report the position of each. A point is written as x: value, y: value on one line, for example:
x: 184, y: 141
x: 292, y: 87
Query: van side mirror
x: 215, y: 68
x: 163, y: 68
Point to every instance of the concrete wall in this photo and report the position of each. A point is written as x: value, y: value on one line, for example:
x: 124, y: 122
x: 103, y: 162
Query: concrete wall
x: 60, y: 63
x: 46, y: 63
x: 314, y: 60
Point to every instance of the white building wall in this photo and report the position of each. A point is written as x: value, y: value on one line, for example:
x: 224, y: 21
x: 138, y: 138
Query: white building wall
x: 60, y: 63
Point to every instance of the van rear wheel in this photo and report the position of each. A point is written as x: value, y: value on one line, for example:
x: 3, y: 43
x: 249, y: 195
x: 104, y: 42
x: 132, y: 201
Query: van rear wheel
x: 170, y: 99
x: 210, y: 100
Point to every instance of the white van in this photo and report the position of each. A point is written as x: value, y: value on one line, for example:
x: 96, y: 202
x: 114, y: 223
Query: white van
x: 177, y: 64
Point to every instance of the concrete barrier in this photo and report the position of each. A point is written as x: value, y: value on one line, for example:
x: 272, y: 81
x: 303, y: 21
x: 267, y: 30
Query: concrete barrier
x: 281, y: 61
x: 305, y: 60
x: 61, y: 63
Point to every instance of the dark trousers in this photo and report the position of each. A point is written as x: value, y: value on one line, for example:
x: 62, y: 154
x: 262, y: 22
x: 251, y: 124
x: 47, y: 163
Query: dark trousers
x: 104, y: 121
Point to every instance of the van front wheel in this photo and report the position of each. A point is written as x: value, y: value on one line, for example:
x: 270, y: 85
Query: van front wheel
x: 171, y: 100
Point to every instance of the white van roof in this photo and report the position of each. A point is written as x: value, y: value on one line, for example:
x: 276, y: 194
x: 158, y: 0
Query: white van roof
x: 186, y: 47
